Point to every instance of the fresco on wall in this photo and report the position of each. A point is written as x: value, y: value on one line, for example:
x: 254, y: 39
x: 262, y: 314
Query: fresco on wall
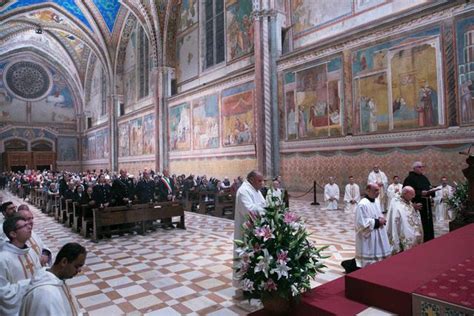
x: 58, y: 106
x: 289, y: 91
x: 188, y: 45
x: 94, y: 106
x: 206, y: 122
x: 189, y: 14
x: 239, y: 28
x: 149, y: 134
x: 465, y: 56
x: 129, y: 71
x: 238, y: 115
x: 361, y: 5
x: 317, y: 109
x: 106, y: 143
x: 397, y: 84
x: 85, y: 148
x: 180, y: 127
x: 308, y: 14
x: 55, y: 103
x: 91, y: 146
x: 67, y: 149
x: 136, y: 137
x: 124, y: 141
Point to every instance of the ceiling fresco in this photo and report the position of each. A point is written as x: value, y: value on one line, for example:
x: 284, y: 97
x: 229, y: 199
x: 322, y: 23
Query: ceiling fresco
x: 69, y: 5
x: 108, y: 10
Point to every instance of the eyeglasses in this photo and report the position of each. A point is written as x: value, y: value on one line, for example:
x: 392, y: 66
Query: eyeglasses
x: 22, y: 226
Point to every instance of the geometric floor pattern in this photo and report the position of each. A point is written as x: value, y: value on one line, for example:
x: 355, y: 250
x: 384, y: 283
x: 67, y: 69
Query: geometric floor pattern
x: 182, y: 272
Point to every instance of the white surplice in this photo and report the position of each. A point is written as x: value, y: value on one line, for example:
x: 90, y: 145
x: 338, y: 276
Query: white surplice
x: 331, y: 191
x: 379, y: 177
x: 351, y: 193
x: 442, y: 210
x: 371, y: 243
x: 247, y: 199
x: 17, y: 266
x: 48, y: 295
x: 35, y: 243
x: 404, y: 226
x: 393, y: 191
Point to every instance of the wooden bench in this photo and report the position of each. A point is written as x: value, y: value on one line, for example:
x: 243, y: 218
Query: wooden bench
x: 140, y: 213
x: 190, y: 200
x: 224, y: 201
x: 206, y: 202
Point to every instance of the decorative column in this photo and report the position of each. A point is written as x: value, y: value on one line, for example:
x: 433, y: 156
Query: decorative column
x: 156, y: 86
x: 113, y: 106
x: 265, y: 83
x: 350, y: 118
x: 162, y: 92
x: 450, y: 71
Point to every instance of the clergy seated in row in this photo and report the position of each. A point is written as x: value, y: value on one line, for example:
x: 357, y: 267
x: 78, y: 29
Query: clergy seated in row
x: 331, y: 194
x: 394, y: 190
x: 48, y: 293
x: 351, y: 196
x: 18, y: 263
x: 442, y: 209
x: 404, y: 226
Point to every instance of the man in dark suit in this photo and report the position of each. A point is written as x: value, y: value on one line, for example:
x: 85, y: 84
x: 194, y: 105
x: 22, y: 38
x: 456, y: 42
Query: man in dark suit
x: 122, y: 189
x: 145, y: 189
x: 166, y: 192
x: 101, y: 192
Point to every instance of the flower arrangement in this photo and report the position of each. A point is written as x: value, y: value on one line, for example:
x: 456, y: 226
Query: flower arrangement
x: 458, y: 201
x: 275, y: 257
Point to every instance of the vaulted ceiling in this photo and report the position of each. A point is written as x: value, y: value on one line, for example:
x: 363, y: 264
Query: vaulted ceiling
x: 72, y: 33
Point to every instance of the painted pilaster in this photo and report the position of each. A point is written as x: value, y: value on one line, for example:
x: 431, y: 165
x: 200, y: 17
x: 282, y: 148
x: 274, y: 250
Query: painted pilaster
x: 450, y: 73
x: 350, y: 118
x: 155, y: 86
x: 113, y: 106
x: 163, y: 92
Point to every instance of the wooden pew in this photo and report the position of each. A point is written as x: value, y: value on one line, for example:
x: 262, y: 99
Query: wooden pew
x: 206, y: 202
x: 224, y: 201
x: 141, y: 213
x: 190, y: 200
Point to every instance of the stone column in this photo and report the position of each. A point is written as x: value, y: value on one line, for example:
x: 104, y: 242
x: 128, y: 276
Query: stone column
x: 351, y: 119
x: 162, y: 92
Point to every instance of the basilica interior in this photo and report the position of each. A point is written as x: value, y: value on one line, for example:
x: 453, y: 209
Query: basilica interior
x: 301, y: 89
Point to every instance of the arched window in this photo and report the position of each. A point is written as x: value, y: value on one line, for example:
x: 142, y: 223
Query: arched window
x: 215, y: 43
x: 143, y: 63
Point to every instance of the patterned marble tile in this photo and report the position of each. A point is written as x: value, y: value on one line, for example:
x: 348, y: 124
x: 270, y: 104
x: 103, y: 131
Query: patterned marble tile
x: 182, y: 272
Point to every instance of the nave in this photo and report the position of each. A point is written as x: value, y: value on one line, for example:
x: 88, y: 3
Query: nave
x: 181, y: 272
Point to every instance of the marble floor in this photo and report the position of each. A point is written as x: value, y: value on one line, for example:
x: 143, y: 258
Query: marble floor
x: 182, y: 272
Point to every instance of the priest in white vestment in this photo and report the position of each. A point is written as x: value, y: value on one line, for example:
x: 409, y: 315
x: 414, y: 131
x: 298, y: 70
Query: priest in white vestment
x: 18, y: 263
x: 248, y: 199
x: 378, y: 177
x: 442, y: 210
x: 274, y: 194
x: 351, y: 196
x: 394, y: 190
x: 48, y: 293
x: 372, y: 243
x: 331, y: 194
x: 35, y: 242
x: 404, y: 226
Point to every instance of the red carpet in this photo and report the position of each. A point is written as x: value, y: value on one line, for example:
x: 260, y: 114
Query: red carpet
x: 389, y: 284
x: 455, y: 285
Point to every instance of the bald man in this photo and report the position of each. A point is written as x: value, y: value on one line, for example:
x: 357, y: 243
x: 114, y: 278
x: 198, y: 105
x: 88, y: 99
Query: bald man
x: 404, y: 226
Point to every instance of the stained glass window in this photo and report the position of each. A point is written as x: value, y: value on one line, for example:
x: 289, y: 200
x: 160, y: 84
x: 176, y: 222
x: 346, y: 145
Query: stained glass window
x: 215, y: 44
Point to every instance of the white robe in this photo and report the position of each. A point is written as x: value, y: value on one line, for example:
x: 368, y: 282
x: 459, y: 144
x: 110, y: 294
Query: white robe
x: 351, y: 193
x: 331, y: 191
x: 247, y: 199
x: 442, y: 211
x: 376, y: 178
x: 274, y: 194
x: 35, y: 243
x: 371, y: 244
x: 48, y: 295
x: 404, y: 226
x: 17, y: 266
x: 393, y: 191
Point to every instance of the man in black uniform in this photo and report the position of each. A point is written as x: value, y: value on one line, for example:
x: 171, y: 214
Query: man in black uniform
x: 101, y: 193
x: 423, y: 192
x: 166, y: 192
x: 122, y: 189
x: 145, y: 189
